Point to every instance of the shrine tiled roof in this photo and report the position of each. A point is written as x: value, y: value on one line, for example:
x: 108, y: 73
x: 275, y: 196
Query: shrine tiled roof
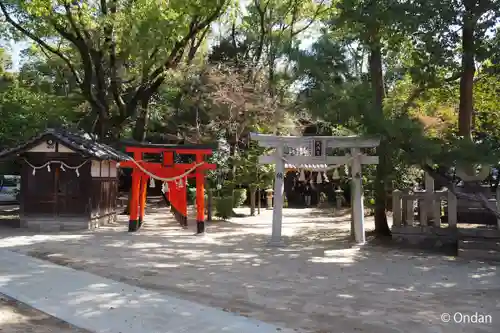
x: 80, y: 142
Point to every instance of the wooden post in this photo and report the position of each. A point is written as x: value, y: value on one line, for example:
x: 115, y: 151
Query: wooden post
x: 200, y: 198
x: 452, y: 209
x: 133, y: 223
x: 358, y: 208
x: 142, y: 198
x: 396, y: 208
x: 278, y: 198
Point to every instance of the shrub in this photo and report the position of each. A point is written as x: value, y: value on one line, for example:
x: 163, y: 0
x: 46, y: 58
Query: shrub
x: 239, y: 197
x: 223, y: 207
x: 191, y: 194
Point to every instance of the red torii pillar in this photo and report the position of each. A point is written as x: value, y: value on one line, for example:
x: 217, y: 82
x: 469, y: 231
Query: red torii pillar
x: 167, y: 169
x: 200, y: 197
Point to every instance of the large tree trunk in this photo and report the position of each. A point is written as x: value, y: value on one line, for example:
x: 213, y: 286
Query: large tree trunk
x: 100, y: 125
x: 141, y: 123
x: 466, y: 108
x: 384, y: 167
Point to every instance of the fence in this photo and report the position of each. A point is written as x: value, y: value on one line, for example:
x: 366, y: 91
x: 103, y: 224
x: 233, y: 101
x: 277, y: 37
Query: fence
x: 429, y: 204
x: 430, y: 207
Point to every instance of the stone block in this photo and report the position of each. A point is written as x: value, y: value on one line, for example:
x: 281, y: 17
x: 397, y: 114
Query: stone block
x: 479, y: 233
x: 478, y: 244
x: 475, y: 254
x: 428, y: 238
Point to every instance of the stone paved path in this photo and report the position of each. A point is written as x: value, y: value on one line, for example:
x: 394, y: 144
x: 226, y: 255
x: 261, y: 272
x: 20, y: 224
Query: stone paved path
x: 316, y: 283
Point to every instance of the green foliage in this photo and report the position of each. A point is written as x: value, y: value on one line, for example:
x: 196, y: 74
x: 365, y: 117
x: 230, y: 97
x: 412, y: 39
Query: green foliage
x: 117, y: 52
x: 487, y: 106
x: 419, y: 119
x: 191, y: 194
x: 239, y: 197
x: 87, y: 66
x: 223, y: 207
x: 248, y: 171
x: 24, y: 113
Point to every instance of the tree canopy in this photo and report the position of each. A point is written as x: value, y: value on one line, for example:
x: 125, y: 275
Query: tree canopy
x: 424, y: 76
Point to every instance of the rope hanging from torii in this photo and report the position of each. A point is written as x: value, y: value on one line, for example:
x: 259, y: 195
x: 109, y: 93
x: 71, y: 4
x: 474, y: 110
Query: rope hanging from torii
x: 334, y: 167
x: 165, y: 180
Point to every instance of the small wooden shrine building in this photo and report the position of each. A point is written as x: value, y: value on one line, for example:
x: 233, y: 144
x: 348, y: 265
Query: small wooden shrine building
x: 68, y: 181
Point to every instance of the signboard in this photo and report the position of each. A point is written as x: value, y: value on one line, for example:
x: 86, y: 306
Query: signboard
x: 318, y: 148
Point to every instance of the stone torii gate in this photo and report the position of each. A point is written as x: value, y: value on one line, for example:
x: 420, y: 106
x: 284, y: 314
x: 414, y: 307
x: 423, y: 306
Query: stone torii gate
x: 300, y: 150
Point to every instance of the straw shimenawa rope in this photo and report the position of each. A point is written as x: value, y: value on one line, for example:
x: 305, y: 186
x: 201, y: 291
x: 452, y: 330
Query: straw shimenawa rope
x: 165, y: 179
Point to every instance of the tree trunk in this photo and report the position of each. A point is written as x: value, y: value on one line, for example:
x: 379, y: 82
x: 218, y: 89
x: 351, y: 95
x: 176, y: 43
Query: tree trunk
x: 259, y: 202
x: 466, y: 107
x: 141, y: 123
x: 233, y: 151
x: 271, y: 69
x: 100, y: 124
x: 103, y: 124
x: 383, y: 168
x: 252, y: 191
x: 210, y: 203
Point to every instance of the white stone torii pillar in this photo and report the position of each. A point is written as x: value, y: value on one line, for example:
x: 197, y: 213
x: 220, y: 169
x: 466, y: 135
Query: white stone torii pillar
x: 279, y: 186
x: 313, y: 150
x: 358, y: 208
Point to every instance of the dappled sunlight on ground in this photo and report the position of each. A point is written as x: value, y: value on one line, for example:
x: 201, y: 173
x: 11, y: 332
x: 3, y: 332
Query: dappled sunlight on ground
x: 318, y: 281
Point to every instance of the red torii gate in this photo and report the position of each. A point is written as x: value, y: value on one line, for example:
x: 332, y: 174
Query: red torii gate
x: 174, y: 175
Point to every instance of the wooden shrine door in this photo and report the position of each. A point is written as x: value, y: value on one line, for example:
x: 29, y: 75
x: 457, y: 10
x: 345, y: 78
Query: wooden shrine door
x: 37, y: 194
x: 71, y: 192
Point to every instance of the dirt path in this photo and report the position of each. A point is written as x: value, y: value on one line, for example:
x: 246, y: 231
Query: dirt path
x: 16, y: 317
